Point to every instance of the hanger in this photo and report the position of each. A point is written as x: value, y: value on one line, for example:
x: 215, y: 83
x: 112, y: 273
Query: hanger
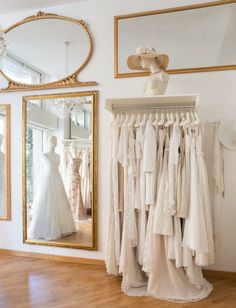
x: 192, y: 116
x: 137, y: 124
x: 172, y: 118
x: 131, y: 121
x: 155, y: 122
x: 125, y: 120
x: 168, y: 121
x: 182, y: 119
x: 176, y: 118
x: 117, y: 119
x: 121, y: 119
x: 197, y: 120
x: 187, y: 120
x: 143, y: 122
x: 162, y: 120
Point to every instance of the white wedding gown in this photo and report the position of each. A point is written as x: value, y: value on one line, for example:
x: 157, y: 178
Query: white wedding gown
x: 52, y: 217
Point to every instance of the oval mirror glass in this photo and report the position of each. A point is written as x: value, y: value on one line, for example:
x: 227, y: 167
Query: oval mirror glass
x: 46, y: 50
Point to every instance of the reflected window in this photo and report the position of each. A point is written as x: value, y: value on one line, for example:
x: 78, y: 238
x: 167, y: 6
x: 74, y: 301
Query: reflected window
x: 20, y: 72
x: 34, y: 153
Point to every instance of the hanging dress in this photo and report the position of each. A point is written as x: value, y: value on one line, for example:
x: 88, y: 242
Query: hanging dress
x: 133, y: 281
x: 174, y: 180
x: 140, y: 192
x: 166, y: 281
x: 75, y: 194
x: 195, y: 232
x: 149, y: 162
x: 112, y: 253
x: 206, y: 258
x: 169, y: 283
x: 149, y: 232
x: 182, y: 202
x: 85, y: 179
x: 163, y: 222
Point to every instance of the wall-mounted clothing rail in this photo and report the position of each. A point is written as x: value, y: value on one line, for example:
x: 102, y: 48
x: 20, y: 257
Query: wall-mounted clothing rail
x: 160, y: 102
x: 66, y: 141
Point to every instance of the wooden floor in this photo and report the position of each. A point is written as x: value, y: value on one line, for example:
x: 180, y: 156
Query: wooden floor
x: 28, y: 282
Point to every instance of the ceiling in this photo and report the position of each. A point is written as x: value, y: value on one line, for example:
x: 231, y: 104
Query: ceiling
x: 11, y: 6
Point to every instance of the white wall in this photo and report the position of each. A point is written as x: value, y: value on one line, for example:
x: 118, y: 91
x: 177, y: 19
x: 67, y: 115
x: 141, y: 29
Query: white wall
x: 218, y: 97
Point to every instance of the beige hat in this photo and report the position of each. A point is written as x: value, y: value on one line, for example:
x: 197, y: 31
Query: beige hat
x: 227, y: 134
x: 133, y: 61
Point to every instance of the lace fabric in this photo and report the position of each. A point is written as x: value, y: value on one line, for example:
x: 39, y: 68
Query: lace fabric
x: 159, y: 249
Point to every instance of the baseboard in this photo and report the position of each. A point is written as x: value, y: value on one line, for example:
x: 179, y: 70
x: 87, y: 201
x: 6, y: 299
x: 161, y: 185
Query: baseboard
x: 219, y: 274
x: 44, y: 256
x: 18, y: 253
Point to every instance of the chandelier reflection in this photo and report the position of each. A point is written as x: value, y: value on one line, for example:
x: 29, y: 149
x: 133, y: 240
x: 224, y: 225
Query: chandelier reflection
x: 70, y: 108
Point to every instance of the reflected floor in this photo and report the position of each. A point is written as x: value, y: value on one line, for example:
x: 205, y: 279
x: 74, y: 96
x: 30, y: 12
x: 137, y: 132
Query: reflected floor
x: 83, y: 237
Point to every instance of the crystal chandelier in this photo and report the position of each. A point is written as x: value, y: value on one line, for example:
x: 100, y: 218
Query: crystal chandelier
x: 3, y: 45
x: 69, y: 107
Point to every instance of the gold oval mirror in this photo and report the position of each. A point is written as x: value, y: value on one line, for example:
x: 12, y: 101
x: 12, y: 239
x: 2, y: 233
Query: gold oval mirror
x: 46, y: 51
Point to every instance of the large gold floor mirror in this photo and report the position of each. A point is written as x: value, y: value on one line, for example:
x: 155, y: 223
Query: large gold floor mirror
x: 5, y: 163
x: 60, y: 170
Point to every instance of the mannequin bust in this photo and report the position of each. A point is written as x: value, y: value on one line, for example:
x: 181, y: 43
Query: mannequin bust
x: 52, y: 142
x: 149, y: 60
x: 157, y: 81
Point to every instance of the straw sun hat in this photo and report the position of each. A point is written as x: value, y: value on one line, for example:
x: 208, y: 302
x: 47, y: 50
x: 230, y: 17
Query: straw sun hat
x: 133, y: 61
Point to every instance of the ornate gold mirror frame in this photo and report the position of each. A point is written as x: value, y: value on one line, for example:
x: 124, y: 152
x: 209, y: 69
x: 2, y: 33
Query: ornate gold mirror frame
x: 7, y: 161
x: 118, y: 74
x: 94, y: 153
x: 68, y: 81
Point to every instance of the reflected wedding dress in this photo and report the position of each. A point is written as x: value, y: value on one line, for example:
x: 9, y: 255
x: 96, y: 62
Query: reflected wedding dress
x: 52, y: 217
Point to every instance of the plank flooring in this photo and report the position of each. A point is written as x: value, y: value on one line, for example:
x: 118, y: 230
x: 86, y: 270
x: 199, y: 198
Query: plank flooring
x: 27, y: 282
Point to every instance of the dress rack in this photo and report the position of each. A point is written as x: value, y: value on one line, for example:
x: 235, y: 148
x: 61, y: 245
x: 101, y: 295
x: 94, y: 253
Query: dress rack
x: 79, y: 143
x: 82, y: 141
x: 159, y: 102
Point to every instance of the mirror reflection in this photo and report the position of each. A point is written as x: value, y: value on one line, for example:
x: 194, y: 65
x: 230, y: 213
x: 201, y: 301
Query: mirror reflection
x: 60, y: 170
x: 4, y: 162
x: 45, y: 50
x: 193, y: 39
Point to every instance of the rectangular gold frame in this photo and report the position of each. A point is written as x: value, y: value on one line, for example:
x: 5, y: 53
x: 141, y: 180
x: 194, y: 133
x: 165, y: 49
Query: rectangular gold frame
x: 94, y: 94
x: 169, y: 10
x: 7, y: 109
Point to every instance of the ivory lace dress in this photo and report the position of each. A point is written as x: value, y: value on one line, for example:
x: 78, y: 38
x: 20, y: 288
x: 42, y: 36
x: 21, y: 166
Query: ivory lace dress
x: 75, y: 193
